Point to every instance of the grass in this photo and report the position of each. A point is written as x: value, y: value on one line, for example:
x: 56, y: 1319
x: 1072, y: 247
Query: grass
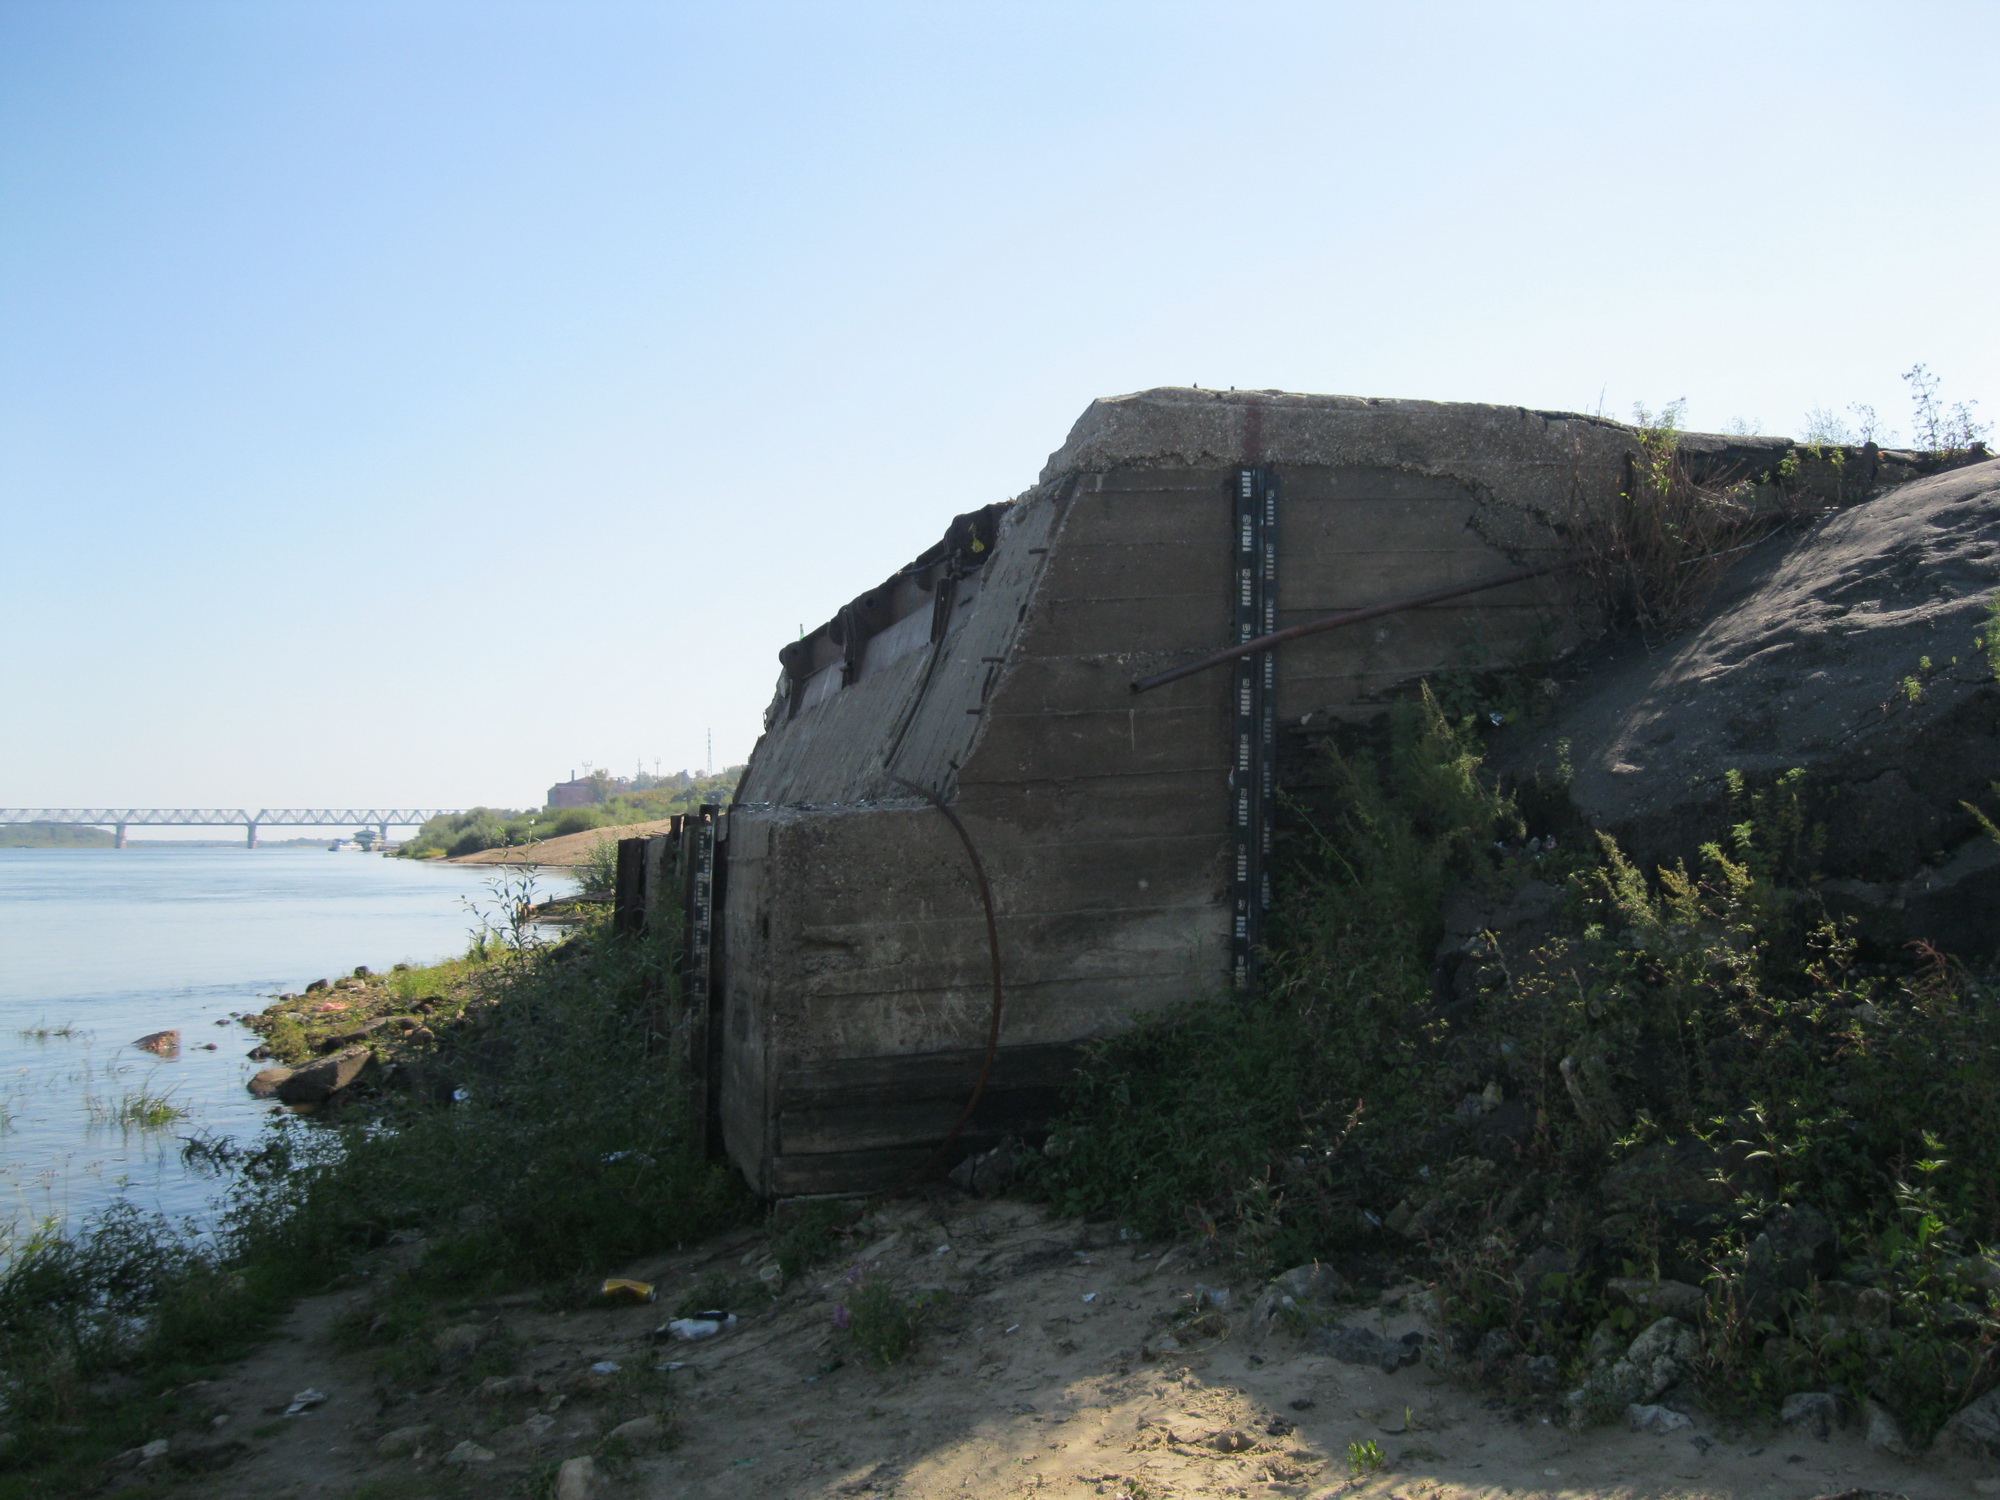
x: 1659, y: 547
x: 143, y: 1109
x: 68, y: 1031
x: 568, y: 1156
x: 1681, y: 1059
x: 881, y: 1323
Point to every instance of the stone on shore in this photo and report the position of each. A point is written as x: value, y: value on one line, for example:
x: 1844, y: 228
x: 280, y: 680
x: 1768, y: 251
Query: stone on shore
x: 160, y: 1043
x: 576, y: 1479
x: 269, y: 1081
x: 318, y: 1081
x: 403, y: 1441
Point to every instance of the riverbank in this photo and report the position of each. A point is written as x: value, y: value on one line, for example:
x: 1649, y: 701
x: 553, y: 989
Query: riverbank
x: 569, y: 851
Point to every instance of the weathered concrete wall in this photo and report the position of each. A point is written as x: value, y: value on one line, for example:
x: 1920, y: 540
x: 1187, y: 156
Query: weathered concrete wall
x: 855, y: 1001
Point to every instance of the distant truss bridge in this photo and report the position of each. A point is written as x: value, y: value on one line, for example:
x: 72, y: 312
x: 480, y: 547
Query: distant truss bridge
x: 118, y: 819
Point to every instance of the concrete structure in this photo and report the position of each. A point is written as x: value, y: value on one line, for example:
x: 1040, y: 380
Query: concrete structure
x: 852, y: 1005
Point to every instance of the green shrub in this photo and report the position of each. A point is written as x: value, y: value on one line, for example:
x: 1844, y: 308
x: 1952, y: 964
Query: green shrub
x: 1683, y: 1054
x: 1265, y: 1115
x: 884, y: 1325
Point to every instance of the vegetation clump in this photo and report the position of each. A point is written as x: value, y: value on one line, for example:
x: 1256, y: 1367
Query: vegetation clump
x: 1693, y: 1079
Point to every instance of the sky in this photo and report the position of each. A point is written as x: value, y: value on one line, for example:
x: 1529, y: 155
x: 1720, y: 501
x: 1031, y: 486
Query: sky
x: 412, y: 403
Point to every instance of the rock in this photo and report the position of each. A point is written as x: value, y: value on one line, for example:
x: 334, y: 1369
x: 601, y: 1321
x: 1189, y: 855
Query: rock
x: 1229, y: 1441
x: 266, y: 1083
x: 1360, y: 1346
x: 1317, y: 1282
x: 1542, y: 1370
x: 1663, y: 1299
x: 576, y: 1479
x: 1687, y: 1184
x: 318, y: 1081
x: 1882, y: 1431
x: 1652, y: 1362
x: 160, y: 1043
x: 1504, y: 1131
x: 146, y: 1453
x: 316, y: 986
x: 1974, y: 1431
x: 1811, y: 1412
x: 504, y: 1387
x: 1800, y: 661
x: 1605, y: 1344
x: 403, y: 1441
x: 640, y: 1432
x: 988, y: 1172
x: 1307, y: 1290
x: 467, y: 1453
x: 1662, y: 1419
x: 1796, y: 1244
x: 459, y: 1340
x: 1547, y: 1276
x: 1495, y: 1347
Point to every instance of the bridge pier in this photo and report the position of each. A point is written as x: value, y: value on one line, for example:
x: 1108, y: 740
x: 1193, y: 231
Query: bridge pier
x: 382, y: 832
x: 118, y: 837
x: 253, y: 836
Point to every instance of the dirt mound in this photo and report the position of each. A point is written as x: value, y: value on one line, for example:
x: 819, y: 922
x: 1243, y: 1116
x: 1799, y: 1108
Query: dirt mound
x: 570, y: 849
x: 1851, y: 650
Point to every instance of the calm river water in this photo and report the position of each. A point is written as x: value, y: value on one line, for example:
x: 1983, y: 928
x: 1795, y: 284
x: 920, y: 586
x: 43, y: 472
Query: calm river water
x: 101, y: 946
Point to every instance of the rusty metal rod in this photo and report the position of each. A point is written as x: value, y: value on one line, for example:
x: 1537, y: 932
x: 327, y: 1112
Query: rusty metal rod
x: 1347, y: 617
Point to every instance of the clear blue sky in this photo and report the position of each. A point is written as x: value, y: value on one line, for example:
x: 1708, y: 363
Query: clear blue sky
x: 413, y: 401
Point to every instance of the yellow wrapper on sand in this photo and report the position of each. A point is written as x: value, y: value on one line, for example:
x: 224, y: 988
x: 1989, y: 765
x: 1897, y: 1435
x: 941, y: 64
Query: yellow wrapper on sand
x: 620, y: 1290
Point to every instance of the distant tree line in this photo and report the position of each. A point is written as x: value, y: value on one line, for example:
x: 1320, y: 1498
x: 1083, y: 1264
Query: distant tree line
x: 454, y: 835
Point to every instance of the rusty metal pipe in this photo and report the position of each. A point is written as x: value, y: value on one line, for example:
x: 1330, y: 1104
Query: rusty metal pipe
x: 1347, y: 617
x: 993, y: 953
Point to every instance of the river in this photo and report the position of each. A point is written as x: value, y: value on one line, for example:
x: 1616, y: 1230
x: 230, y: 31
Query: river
x: 101, y: 946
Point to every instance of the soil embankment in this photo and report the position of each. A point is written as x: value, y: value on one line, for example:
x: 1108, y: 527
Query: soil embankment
x: 570, y: 849
x: 1062, y: 1360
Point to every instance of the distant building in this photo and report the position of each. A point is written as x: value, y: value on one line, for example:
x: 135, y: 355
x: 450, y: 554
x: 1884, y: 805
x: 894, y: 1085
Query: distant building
x: 587, y: 791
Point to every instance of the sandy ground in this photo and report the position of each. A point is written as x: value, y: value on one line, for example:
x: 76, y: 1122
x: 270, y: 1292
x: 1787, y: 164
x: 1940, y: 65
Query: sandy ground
x: 1048, y: 1376
x: 570, y: 849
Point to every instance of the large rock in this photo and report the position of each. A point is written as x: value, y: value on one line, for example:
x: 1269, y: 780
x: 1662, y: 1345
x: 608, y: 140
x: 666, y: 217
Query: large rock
x: 1796, y: 1244
x: 1974, y: 1432
x: 1362, y: 1346
x: 317, y: 1082
x: 1653, y: 1361
x: 1811, y: 655
x: 268, y: 1081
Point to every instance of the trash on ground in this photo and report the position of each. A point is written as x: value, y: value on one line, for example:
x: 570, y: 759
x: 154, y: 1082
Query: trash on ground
x: 618, y: 1289
x: 305, y: 1400
x: 705, y: 1325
